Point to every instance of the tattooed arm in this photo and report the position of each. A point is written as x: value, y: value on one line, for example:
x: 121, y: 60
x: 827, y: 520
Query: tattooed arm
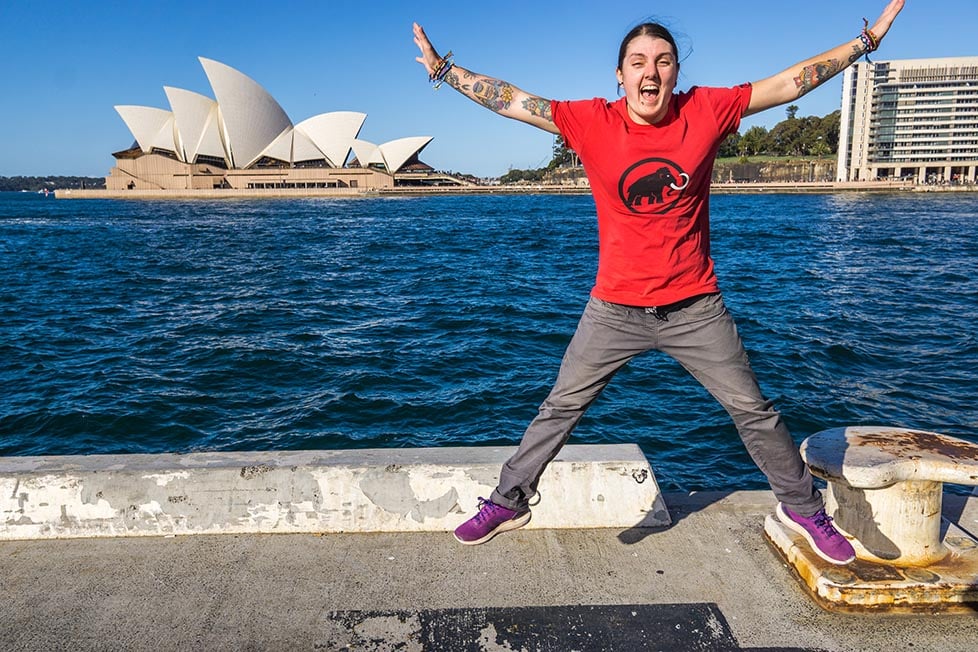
x: 494, y: 94
x: 800, y: 78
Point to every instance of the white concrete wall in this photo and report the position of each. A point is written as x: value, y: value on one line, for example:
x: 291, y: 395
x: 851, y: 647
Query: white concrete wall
x: 376, y: 490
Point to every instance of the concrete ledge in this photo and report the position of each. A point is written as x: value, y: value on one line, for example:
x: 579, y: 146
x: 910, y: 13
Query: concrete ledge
x: 376, y: 490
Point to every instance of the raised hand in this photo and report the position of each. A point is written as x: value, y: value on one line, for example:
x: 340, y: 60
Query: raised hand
x: 882, y: 24
x: 429, y: 57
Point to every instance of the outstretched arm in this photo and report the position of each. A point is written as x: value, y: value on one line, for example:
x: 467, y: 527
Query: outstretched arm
x: 792, y: 83
x: 494, y: 94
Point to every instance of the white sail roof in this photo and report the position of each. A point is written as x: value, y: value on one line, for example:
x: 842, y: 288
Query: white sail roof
x: 367, y: 153
x: 333, y: 133
x: 397, y: 152
x: 303, y: 149
x: 245, y: 123
x: 280, y: 148
x: 196, y: 123
x: 145, y: 123
x: 252, y: 117
x: 166, y: 137
x: 211, y: 143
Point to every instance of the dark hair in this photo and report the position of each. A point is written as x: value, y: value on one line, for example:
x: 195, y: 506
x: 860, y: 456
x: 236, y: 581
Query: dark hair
x: 654, y: 30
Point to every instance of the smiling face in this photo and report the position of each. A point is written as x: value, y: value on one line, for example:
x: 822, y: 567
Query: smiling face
x: 648, y: 74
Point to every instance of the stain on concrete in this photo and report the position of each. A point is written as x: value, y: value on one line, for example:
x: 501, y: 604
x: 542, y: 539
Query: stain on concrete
x: 22, y: 520
x: 572, y: 627
x: 485, y: 476
x: 250, y: 472
x: 391, y: 491
x: 200, y: 500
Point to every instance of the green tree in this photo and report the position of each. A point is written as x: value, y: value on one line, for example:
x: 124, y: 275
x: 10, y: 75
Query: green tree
x: 563, y: 155
x: 730, y: 146
x: 828, y: 129
x: 753, y: 142
x: 516, y: 175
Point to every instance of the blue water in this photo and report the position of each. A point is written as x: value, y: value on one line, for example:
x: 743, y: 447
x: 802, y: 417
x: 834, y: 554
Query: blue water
x: 142, y: 326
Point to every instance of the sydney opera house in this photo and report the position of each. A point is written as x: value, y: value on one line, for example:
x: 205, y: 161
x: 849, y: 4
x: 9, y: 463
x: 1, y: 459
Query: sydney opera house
x: 243, y: 140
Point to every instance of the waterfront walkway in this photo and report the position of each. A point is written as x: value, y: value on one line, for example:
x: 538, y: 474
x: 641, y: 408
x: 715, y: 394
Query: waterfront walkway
x: 809, y: 187
x: 708, y: 582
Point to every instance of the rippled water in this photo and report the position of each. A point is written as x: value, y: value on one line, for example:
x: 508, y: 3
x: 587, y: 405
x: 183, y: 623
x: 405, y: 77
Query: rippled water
x: 141, y: 326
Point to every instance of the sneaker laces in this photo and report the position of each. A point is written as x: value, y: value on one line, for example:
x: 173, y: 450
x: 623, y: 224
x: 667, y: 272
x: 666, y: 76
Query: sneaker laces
x: 486, y: 507
x: 824, y: 523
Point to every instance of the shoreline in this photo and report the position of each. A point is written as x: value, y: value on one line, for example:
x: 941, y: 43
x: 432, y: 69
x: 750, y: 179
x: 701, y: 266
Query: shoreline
x: 805, y: 187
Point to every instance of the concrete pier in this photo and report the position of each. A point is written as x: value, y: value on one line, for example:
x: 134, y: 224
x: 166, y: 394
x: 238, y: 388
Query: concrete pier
x: 376, y: 490
x: 708, y: 580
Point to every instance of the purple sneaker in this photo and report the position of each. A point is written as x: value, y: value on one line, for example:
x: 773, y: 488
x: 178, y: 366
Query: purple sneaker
x: 827, y: 542
x: 490, y: 521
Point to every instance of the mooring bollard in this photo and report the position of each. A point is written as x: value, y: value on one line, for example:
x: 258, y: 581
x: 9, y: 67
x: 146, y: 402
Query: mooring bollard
x: 885, y: 487
x: 885, y: 493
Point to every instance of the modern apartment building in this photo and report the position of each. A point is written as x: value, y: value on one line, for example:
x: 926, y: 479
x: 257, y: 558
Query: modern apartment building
x: 910, y: 118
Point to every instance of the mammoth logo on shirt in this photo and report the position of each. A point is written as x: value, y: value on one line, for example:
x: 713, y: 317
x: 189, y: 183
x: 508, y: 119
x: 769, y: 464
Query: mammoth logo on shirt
x: 652, y: 186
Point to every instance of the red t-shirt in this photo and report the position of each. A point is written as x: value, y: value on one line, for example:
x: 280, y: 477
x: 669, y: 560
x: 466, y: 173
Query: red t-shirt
x: 651, y: 187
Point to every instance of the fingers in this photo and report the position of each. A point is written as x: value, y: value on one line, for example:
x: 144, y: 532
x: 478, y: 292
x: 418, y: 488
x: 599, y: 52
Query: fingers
x: 429, y: 58
x: 882, y: 25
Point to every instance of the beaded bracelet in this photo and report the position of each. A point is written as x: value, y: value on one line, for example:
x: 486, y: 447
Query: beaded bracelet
x: 444, y: 73
x: 869, y: 39
x: 438, y: 77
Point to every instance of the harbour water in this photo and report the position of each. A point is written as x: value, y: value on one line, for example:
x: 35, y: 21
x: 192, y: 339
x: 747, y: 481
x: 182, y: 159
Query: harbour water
x: 178, y: 326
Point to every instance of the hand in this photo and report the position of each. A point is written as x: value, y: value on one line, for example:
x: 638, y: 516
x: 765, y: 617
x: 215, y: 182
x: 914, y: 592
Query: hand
x: 882, y: 24
x: 429, y: 58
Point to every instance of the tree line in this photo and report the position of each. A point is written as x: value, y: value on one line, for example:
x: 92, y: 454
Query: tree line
x: 50, y: 183
x: 793, y: 136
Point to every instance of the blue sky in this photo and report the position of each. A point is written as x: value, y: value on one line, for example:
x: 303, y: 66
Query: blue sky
x: 64, y: 65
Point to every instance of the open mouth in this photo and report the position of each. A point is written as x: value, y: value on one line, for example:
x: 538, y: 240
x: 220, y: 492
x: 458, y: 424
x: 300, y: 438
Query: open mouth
x: 649, y: 92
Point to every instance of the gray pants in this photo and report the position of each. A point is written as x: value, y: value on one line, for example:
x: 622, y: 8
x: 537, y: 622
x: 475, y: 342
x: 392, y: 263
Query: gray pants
x: 702, y: 337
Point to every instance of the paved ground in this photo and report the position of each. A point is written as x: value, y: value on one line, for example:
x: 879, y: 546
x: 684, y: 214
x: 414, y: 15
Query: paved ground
x: 710, y: 582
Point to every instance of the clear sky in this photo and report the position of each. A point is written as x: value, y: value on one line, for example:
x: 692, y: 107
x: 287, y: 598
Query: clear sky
x: 64, y: 65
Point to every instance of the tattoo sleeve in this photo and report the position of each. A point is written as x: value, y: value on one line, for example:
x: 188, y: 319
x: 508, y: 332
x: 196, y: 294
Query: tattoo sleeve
x: 497, y: 95
x: 814, y: 74
x: 539, y: 107
x: 493, y: 94
x: 452, y: 80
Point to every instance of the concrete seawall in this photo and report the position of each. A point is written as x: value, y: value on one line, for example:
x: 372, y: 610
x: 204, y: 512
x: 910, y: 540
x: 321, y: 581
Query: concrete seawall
x: 534, y: 189
x: 707, y: 582
x: 580, y: 576
x: 375, y: 490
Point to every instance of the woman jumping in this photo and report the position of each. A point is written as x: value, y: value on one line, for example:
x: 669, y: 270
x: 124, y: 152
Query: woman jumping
x: 649, y: 158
